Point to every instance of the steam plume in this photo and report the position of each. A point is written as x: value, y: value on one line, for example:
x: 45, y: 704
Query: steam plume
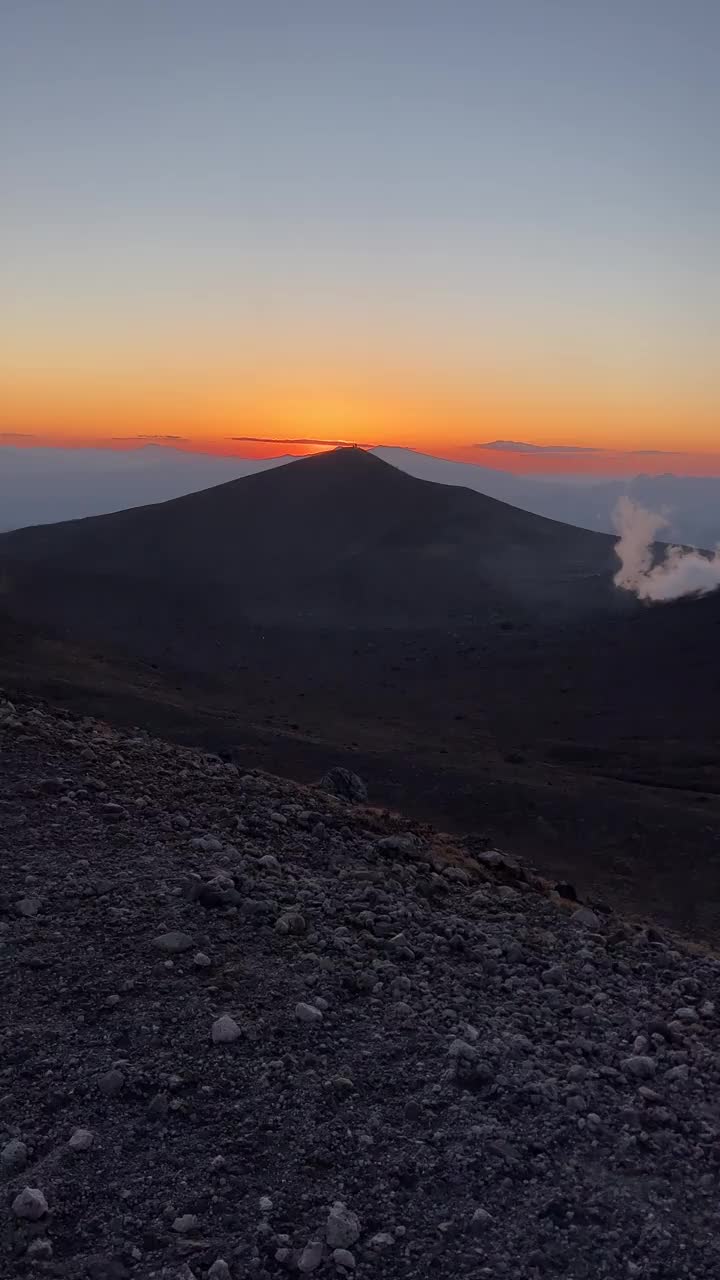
x: 680, y: 572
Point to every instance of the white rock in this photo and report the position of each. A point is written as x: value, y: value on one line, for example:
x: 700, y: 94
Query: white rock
x: 30, y: 1204
x: 343, y: 1227
x: 225, y: 1030
x: 81, y: 1139
x: 342, y: 1258
x: 201, y: 960
x: 219, y: 1270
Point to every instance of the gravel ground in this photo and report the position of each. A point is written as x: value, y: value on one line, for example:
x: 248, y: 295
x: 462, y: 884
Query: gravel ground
x: 252, y: 1029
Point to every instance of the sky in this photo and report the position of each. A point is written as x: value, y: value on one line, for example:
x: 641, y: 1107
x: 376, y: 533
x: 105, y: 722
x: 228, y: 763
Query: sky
x: 231, y: 224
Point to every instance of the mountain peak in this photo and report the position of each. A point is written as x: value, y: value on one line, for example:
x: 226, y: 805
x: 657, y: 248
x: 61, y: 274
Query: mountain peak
x: 347, y: 458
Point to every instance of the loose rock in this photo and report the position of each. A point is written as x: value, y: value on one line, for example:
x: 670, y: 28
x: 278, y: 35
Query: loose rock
x: 343, y: 1227
x: 311, y: 1256
x: 30, y: 1204
x: 173, y: 943
x: 225, y: 1030
x: 308, y: 1013
x: 13, y: 1157
x: 81, y: 1140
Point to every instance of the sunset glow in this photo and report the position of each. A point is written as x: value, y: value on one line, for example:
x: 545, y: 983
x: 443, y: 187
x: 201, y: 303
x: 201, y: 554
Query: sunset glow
x: 486, y: 247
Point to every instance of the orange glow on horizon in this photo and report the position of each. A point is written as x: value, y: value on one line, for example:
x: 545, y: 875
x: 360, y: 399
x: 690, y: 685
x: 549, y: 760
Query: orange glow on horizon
x: 605, y: 431
x: 602, y: 463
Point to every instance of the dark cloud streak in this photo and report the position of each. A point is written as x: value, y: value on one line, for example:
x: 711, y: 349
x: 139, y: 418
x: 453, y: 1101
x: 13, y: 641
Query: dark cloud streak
x: 296, y: 440
x: 520, y: 446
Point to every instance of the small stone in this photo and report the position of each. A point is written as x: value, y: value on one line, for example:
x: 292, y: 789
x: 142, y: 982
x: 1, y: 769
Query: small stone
x: 40, y: 1250
x: 307, y: 1013
x: 343, y: 1258
x: 291, y: 922
x: 342, y: 1085
x: 157, y: 1107
x: 225, y: 1030
x: 480, y: 1221
x: 398, y: 844
x: 265, y: 1204
x: 687, y: 1015
x: 586, y: 918
x: 311, y: 1256
x: 201, y: 961
x: 109, y: 1268
x: 173, y: 943
x: 343, y: 1227
x: 13, y: 1156
x: 209, y: 844
x: 649, y: 1095
x: 219, y: 1270
x: 413, y: 1110
x: 345, y: 784
x: 81, y: 1140
x: 111, y: 1083
x: 185, y: 1223
x: 640, y: 1067
x: 28, y: 906
x: 30, y: 1204
x: 382, y: 1240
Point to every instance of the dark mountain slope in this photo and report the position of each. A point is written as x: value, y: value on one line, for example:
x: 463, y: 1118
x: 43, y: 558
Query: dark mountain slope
x: 471, y: 660
x: 340, y: 538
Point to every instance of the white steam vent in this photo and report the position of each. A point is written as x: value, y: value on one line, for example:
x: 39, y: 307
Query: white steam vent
x: 680, y: 572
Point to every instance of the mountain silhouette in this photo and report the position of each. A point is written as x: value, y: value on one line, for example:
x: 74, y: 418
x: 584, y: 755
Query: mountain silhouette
x: 341, y: 538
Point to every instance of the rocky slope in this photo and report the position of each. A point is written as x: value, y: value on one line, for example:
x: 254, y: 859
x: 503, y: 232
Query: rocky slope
x: 251, y: 1029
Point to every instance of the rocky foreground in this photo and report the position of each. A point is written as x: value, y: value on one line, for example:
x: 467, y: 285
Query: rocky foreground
x: 252, y: 1029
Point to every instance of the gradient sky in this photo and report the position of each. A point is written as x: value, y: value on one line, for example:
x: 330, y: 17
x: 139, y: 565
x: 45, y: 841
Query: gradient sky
x: 408, y: 222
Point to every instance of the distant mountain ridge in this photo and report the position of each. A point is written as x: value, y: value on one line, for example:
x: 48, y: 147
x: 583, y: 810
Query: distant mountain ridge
x: 691, y: 504
x: 44, y: 485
